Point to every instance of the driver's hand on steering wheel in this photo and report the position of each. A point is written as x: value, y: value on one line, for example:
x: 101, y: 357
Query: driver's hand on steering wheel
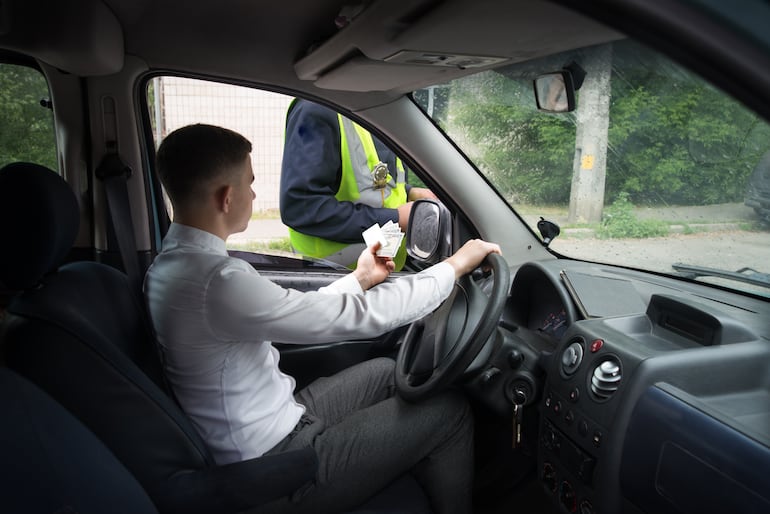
x: 470, y: 256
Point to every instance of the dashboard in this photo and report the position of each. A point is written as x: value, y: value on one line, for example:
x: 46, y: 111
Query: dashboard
x: 640, y: 383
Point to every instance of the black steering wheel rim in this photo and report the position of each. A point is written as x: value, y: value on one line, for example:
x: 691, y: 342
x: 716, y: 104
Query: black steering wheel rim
x: 443, y: 323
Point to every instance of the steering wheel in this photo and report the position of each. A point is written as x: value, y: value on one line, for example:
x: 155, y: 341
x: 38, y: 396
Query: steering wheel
x: 438, y: 348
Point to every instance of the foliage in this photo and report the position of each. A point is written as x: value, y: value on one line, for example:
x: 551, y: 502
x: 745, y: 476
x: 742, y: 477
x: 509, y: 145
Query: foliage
x: 680, y: 141
x: 619, y: 221
x: 27, y: 132
x: 673, y: 139
x: 509, y: 139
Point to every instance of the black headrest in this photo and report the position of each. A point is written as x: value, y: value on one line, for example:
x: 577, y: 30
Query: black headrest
x: 39, y: 220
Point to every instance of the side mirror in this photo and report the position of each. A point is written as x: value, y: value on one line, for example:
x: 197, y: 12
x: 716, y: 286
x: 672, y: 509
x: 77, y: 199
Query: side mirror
x: 429, y: 232
x: 555, y: 92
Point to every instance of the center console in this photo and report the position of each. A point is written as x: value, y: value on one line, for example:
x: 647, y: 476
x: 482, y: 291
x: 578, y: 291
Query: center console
x: 589, y: 375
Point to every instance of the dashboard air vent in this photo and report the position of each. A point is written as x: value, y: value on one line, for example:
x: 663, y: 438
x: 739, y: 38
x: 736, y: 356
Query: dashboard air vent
x: 606, y: 378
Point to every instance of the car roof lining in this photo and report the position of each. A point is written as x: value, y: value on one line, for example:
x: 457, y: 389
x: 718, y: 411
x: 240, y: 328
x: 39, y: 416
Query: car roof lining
x: 81, y: 37
x: 367, y: 63
x: 296, y: 46
x: 414, y: 46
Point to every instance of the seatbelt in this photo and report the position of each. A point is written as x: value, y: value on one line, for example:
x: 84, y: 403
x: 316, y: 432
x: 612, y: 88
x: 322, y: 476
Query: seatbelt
x: 113, y: 173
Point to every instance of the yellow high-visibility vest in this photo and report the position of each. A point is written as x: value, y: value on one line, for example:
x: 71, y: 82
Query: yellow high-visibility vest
x: 359, y: 157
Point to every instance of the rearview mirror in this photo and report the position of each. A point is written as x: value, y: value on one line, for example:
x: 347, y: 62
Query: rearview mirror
x: 555, y: 92
x: 429, y: 232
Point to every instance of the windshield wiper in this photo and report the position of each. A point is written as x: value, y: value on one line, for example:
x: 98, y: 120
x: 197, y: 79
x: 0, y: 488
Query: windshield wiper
x: 746, y: 275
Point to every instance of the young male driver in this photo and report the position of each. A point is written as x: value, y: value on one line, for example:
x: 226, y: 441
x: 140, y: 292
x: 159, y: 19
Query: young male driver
x: 215, y: 317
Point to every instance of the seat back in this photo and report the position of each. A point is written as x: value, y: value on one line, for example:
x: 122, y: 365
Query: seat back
x: 52, y: 463
x: 80, y: 332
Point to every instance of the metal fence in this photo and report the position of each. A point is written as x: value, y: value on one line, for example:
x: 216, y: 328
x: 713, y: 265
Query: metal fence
x: 259, y: 115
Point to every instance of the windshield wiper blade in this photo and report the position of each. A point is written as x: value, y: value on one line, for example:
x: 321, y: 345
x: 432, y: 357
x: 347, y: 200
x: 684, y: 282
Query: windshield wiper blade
x: 746, y: 275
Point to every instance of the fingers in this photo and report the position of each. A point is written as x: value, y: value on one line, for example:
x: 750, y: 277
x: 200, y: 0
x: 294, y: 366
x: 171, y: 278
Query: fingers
x: 493, y: 248
x: 418, y: 193
x: 372, y: 269
x: 470, y: 256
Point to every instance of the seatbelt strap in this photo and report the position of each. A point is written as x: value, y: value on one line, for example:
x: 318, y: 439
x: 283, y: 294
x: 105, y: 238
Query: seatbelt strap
x: 113, y: 173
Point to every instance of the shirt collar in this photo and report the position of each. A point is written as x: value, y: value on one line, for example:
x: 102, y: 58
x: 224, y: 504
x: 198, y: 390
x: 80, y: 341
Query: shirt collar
x: 179, y: 235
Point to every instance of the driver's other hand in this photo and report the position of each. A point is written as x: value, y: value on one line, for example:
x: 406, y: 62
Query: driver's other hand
x: 469, y: 257
x: 371, y: 269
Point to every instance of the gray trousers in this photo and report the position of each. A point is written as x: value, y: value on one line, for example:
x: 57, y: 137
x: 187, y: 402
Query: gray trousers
x: 365, y: 438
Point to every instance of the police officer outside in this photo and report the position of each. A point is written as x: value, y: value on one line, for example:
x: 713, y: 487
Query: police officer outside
x: 337, y: 180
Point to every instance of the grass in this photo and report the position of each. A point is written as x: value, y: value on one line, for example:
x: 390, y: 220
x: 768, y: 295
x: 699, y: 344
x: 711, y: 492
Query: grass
x: 266, y: 214
x: 621, y: 219
x: 546, y: 211
x: 281, y: 245
x: 754, y: 226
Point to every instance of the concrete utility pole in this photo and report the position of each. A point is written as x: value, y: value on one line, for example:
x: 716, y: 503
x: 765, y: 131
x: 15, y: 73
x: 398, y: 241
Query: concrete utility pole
x: 593, y: 117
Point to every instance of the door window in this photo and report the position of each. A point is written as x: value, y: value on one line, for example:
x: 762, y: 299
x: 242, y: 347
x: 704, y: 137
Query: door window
x: 26, y: 119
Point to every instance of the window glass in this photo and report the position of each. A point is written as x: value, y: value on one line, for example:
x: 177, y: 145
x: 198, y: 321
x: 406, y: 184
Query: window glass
x: 26, y: 120
x: 655, y: 168
x: 259, y: 116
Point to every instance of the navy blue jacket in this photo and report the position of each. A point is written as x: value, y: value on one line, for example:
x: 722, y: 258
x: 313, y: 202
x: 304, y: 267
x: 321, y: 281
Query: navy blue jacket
x: 311, y: 173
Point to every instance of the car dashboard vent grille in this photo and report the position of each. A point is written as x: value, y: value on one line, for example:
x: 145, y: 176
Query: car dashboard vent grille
x: 606, y: 378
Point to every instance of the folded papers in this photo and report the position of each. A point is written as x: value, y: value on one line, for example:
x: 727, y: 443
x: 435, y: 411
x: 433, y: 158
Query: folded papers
x: 389, y: 236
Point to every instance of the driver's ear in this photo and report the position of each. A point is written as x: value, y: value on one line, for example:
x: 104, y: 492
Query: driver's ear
x: 224, y: 198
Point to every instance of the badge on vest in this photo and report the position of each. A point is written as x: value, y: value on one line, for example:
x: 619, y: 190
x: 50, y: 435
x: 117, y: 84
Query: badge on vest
x: 380, y: 178
x: 380, y: 175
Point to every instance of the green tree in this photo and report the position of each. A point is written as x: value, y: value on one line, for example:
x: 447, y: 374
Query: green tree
x: 525, y: 152
x: 27, y: 126
x: 672, y: 139
x: 676, y: 140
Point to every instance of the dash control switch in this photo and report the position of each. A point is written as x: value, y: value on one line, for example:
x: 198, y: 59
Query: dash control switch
x: 571, y: 358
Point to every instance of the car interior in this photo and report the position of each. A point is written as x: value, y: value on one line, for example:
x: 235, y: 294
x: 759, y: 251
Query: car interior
x: 597, y: 386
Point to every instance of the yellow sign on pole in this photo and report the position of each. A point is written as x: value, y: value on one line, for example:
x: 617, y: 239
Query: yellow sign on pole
x: 587, y: 162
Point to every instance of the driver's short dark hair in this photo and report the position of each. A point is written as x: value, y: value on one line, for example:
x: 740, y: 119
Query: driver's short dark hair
x: 191, y: 156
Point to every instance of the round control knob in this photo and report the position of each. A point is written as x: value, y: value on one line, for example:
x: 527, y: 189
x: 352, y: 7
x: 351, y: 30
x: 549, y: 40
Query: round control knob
x: 571, y: 358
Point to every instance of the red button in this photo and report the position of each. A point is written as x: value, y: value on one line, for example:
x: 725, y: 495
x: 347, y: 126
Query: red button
x: 596, y: 345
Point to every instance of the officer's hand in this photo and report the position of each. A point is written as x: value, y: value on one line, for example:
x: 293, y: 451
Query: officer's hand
x: 419, y: 193
x: 371, y: 269
x: 403, y: 215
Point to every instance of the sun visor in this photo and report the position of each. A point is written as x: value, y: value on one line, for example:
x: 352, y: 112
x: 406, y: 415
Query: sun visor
x: 399, y: 46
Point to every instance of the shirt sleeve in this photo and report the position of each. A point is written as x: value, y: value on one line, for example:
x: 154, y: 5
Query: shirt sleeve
x: 310, y: 177
x: 244, y: 306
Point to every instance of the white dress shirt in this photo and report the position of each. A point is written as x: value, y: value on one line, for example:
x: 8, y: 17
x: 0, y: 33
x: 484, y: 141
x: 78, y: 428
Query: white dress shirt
x: 215, y: 316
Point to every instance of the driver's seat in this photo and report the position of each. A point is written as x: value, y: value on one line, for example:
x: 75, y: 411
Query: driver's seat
x: 80, y: 332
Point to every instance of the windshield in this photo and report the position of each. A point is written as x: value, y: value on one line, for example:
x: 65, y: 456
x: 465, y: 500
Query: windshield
x: 654, y: 169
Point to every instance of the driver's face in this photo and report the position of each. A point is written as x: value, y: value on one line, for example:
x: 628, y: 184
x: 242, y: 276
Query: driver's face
x: 242, y: 196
